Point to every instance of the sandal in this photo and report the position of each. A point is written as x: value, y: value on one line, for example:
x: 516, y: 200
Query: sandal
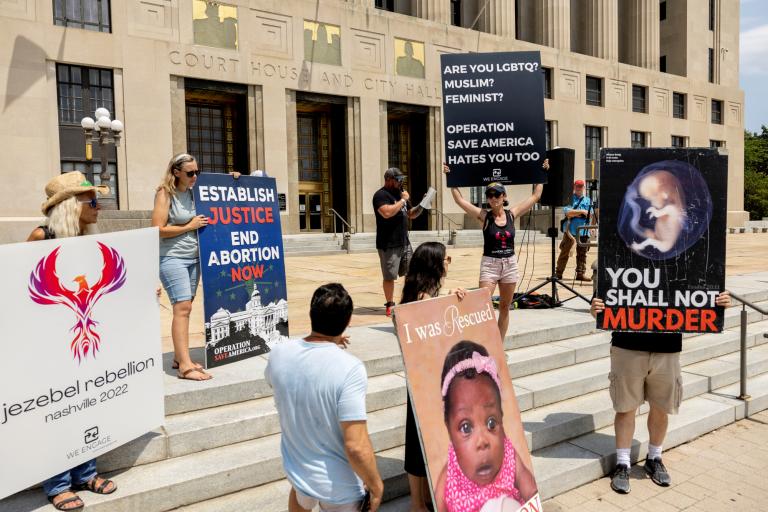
x: 175, y: 365
x: 90, y: 485
x: 62, y: 505
x: 184, y: 375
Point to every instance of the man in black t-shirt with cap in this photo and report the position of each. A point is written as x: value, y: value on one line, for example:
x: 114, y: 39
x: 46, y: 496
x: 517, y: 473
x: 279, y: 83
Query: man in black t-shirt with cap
x: 393, y: 211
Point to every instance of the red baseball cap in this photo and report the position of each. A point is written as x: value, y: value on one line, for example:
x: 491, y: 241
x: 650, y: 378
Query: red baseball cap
x: 578, y: 183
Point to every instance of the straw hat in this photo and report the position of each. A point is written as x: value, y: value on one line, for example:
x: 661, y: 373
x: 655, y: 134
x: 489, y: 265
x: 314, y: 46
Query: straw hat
x: 67, y: 185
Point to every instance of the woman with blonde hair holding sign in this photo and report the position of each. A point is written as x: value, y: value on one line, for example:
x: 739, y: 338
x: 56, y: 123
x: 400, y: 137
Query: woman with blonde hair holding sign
x: 498, y: 265
x: 71, y: 209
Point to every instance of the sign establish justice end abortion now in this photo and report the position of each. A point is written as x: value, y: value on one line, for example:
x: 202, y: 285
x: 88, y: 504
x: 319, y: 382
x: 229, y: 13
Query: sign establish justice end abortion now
x: 493, y: 108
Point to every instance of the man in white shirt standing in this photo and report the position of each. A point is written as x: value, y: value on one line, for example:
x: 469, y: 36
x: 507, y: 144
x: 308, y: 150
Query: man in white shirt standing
x: 320, y: 396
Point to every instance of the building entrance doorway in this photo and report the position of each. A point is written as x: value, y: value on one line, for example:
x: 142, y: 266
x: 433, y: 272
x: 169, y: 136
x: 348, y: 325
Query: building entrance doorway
x: 408, y: 148
x: 217, y: 125
x: 322, y: 159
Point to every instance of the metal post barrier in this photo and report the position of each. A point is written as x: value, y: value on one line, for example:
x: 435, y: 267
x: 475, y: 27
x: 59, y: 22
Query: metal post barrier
x: 743, y: 385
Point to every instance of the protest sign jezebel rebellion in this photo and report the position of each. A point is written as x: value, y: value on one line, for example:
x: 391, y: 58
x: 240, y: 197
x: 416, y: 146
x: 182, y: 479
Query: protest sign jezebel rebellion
x: 465, y: 405
x: 493, y: 110
x: 81, y: 372
x: 241, y: 260
x: 662, y: 239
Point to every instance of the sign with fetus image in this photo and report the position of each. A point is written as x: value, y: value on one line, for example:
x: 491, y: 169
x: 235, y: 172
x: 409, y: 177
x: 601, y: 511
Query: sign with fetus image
x: 661, y: 255
x: 465, y: 406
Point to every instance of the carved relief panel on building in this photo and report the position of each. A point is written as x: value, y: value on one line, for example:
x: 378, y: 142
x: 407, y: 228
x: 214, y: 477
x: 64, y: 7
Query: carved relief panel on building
x: 215, y: 24
x: 322, y: 43
x: 409, y: 58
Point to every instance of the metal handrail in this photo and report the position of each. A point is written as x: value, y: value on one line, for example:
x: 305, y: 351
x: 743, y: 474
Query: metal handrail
x: 443, y: 218
x: 744, y: 303
x: 350, y: 229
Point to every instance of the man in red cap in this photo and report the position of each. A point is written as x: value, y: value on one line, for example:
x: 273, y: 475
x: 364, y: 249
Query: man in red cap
x: 578, y: 213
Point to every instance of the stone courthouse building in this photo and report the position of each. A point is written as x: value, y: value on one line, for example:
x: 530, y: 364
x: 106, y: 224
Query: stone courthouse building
x: 326, y: 94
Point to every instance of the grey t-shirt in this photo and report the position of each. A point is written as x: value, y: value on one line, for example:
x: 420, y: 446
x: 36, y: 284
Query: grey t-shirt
x: 181, y: 211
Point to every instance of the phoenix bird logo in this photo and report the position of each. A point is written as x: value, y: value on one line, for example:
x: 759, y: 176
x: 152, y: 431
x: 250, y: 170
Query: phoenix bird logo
x: 46, y: 288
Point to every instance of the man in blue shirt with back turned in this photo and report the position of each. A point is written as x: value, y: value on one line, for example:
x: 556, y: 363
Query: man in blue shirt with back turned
x: 320, y: 398
x: 578, y: 213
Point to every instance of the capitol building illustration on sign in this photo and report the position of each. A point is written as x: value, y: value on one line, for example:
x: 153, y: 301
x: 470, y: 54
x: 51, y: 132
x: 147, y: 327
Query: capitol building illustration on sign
x: 260, y: 320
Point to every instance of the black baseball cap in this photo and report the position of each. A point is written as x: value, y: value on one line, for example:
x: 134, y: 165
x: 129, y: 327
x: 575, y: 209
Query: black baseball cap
x: 495, y: 186
x: 394, y: 173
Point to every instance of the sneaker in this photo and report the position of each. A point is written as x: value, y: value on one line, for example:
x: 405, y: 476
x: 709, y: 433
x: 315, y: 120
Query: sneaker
x: 620, y: 479
x: 389, y: 306
x: 658, y: 472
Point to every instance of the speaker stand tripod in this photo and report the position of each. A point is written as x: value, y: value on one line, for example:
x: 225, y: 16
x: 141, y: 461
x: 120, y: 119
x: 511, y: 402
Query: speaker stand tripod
x: 552, y: 279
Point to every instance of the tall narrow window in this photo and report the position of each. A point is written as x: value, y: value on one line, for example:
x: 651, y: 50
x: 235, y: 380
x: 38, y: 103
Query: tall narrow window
x: 593, y: 140
x: 717, y: 112
x: 86, y: 14
x: 80, y: 91
x: 547, y: 83
x: 639, y: 139
x: 678, y: 105
x: 711, y: 64
x: 548, y: 134
x: 639, y: 99
x: 594, y: 91
x: 663, y: 11
x: 663, y: 63
x: 711, y: 14
x: 456, y: 13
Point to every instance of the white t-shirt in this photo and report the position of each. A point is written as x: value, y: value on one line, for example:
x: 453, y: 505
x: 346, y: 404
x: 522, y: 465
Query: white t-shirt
x: 317, y: 386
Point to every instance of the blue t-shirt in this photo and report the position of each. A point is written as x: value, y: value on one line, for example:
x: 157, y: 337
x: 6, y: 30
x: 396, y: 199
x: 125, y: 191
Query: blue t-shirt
x: 578, y: 203
x: 316, y: 386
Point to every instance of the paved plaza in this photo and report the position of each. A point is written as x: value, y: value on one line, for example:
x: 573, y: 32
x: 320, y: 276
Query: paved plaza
x: 360, y: 274
x: 723, y: 470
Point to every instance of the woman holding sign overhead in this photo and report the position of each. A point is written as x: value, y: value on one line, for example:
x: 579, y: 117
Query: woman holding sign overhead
x: 498, y: 265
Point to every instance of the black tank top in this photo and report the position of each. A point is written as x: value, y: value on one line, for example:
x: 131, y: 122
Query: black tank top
x: 49, y: 234
x: 498, y: 242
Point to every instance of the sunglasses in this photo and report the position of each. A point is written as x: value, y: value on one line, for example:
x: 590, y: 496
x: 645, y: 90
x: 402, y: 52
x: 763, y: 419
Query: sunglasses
x: 192, y: 173
x: 493, y: 194
x: 93, y: 203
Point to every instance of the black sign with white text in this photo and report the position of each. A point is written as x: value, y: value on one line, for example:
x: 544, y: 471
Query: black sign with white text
x: 661, y: 258
x: 493, y: 109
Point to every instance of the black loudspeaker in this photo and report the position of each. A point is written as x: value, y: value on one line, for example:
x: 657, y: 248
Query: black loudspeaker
x: 559, y: 188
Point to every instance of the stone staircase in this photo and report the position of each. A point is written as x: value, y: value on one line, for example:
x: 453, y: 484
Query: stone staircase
x: 220, y: 447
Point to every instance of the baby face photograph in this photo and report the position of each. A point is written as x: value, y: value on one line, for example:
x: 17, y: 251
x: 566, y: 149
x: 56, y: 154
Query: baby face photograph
x: 465, y: 406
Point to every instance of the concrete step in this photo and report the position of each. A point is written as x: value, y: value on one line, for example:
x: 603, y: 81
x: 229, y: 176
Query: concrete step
x: 171, y: 483
x: 247, y: 476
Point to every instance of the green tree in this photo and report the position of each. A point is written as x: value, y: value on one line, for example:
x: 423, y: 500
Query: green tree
x: 756, y: 173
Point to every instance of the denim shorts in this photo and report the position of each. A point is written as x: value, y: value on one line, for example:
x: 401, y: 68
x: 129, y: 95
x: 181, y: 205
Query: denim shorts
x: 179, y: 277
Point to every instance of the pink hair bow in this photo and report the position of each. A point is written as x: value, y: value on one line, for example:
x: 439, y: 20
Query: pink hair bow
x: 480, y: 363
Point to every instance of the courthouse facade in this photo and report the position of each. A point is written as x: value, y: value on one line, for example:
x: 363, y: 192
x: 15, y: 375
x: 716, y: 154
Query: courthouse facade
x: 326, y: 94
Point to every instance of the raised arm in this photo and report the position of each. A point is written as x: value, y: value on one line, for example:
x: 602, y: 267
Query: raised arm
x: 465, y: 205
x: 525, y: 205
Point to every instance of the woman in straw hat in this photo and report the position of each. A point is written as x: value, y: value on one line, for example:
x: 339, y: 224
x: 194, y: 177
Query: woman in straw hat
x: 71, y: 209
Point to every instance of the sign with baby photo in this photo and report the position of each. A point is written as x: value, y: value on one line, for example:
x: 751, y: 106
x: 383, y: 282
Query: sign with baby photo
x: 661, y: 259
x: 465, y: 406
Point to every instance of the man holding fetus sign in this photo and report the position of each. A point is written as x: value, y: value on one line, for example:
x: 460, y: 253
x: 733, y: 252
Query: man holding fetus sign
x: 469, y: 421
x: 661, y: 268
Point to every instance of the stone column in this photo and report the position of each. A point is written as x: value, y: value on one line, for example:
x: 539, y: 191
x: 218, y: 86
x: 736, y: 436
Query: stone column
x: 640, y: 33
x: 553, y: 23
x: 433, y: 10
x: 499, y: 18
x: 601, y: 28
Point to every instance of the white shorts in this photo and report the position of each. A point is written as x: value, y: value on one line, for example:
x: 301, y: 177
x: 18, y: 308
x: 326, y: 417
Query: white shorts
x: 310, y: 504
x: 499, y: 270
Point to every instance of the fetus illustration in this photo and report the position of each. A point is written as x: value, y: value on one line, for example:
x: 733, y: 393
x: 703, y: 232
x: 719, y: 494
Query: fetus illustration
x: 666, y: 209
x: 663, y: 191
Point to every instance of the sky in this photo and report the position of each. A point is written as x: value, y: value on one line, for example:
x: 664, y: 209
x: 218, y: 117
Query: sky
x: 753, y: 68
